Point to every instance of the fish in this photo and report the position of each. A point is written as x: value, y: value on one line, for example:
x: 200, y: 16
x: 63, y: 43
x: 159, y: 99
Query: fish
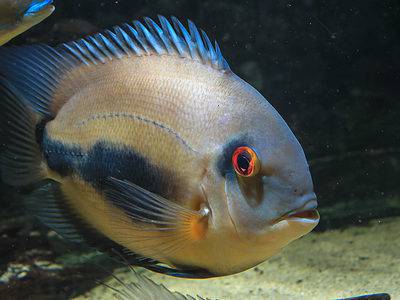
x: 17, y: 16
x: 141, y: 141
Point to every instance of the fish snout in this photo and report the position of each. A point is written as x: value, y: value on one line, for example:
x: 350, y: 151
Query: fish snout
x: 284, y: 200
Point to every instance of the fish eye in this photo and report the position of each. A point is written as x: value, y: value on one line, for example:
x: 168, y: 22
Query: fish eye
x: 245, y: 161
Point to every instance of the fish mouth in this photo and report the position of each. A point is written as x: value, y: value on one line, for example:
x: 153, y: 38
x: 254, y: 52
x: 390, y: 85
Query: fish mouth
x: 307, y: 213
x: 311, y: 215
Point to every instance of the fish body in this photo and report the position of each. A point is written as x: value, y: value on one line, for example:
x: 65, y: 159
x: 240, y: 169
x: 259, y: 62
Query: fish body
x: 17, y: 16
x: 149, y: 142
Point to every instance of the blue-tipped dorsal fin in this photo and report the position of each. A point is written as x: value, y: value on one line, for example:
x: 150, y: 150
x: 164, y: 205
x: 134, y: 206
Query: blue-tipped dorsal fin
x: 36, y: 71
x: 37, y: 6
x: 148, y: 38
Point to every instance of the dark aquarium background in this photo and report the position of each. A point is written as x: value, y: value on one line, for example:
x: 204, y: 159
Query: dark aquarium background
x: 332, y: 70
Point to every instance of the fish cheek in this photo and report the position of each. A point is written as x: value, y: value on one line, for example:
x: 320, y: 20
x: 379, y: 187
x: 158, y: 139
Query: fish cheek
x: 252, y: 189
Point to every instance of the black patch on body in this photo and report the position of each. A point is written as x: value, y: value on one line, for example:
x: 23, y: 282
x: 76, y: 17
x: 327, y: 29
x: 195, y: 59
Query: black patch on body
x: 61, y: 158
x: 104, y: 160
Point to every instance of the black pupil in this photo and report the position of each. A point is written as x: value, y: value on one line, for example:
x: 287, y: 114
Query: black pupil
x: 243, y: 161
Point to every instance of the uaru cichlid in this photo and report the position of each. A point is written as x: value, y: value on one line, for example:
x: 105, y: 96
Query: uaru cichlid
x: 17, y: 16
x: 142, y: 138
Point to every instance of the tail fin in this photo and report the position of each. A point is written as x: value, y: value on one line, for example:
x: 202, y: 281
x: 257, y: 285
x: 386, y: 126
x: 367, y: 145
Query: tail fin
x: 20, y: 161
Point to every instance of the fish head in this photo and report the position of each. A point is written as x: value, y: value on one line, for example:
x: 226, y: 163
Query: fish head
x: 259, y: 188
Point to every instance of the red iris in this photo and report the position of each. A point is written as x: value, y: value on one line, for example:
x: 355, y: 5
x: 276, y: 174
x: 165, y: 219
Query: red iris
x: 245, y: 161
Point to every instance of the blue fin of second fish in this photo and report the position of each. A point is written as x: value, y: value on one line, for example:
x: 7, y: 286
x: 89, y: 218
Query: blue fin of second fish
x: 37, y: 6
x: 381, y: 296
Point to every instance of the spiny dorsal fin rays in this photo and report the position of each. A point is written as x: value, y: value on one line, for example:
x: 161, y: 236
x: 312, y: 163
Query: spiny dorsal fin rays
x: 123, y: 36
x: 175, y: 39
x: 200, y: 45
x: 160, y: 33
x: 146, y: 39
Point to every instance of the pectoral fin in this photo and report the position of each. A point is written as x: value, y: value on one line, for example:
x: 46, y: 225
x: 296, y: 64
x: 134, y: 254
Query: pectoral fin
x: 164, y: 224
x: 50, y: 205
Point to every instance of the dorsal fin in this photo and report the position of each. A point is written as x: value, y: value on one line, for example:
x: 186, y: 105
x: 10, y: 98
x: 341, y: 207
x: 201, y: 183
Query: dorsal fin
x: 148, y: 38
x: 36, y: 71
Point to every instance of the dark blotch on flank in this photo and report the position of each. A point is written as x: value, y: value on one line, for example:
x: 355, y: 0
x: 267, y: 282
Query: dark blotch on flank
x: 59, y: 157
x: 105, y: 160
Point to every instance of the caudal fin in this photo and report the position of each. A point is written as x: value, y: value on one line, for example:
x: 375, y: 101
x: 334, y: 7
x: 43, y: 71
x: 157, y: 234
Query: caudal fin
x: 20, y: 161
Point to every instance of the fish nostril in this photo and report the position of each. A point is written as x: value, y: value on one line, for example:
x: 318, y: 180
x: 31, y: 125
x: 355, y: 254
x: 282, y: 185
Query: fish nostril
x: 298, y: 192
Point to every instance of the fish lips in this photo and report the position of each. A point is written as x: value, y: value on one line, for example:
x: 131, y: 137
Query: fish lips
x: 307, y: 213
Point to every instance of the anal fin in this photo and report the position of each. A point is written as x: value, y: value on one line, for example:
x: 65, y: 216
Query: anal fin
x: 49, y: 205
